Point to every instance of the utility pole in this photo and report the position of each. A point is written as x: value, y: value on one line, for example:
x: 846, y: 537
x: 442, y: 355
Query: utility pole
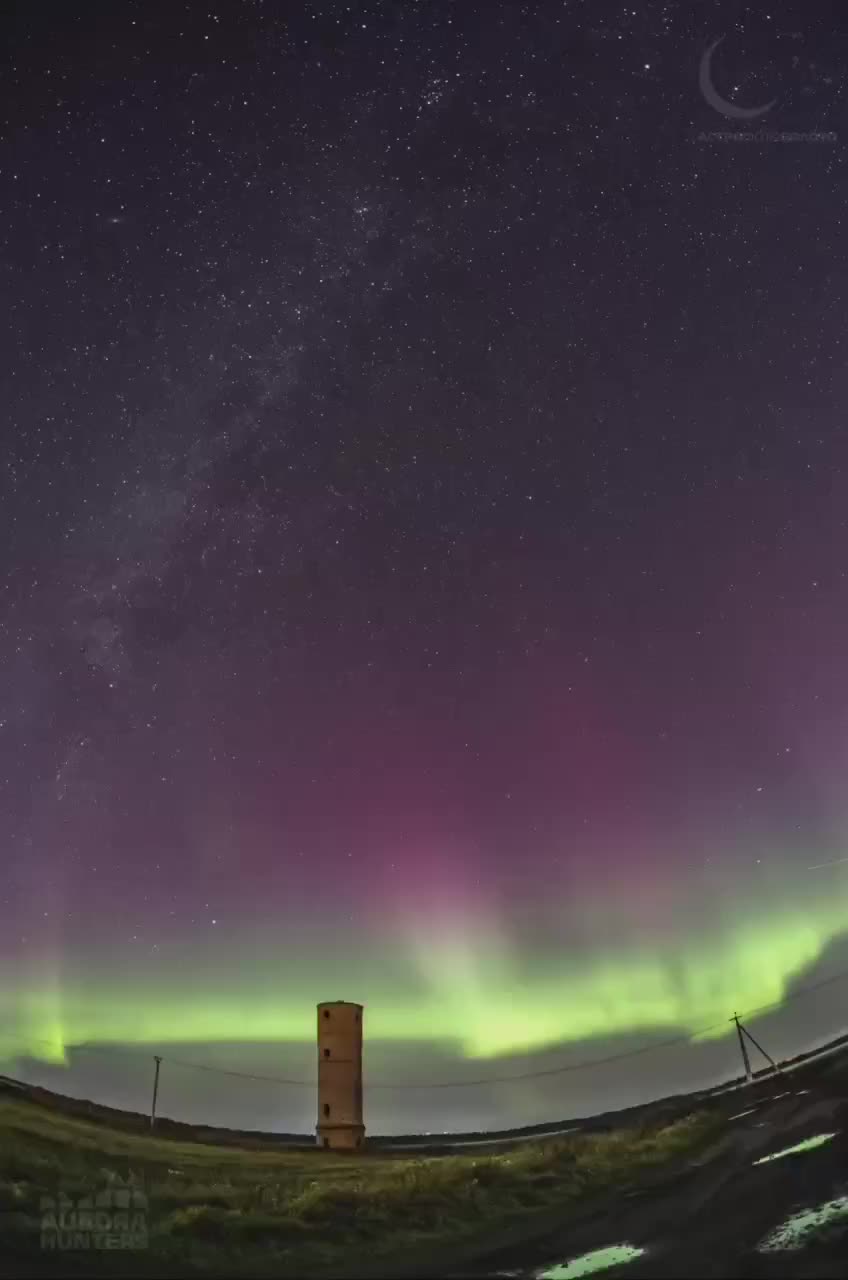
x: 742, y: 1032
x: 158, y: 1062
x: 747, y: 1061
x: 775, y: 1068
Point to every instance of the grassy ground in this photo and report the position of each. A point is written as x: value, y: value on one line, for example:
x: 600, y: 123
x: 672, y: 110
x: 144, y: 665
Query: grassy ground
x: 221, y: 1211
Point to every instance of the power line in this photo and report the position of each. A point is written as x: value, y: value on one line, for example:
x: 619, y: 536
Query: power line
x: 617, y: 1057
x: 443, y: 1084
x: 243, y: 1075
x: 553, y: 1071
x: 174, y: 1062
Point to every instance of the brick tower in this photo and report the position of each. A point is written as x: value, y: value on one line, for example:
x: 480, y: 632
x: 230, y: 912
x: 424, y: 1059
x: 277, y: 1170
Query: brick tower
x: 340, y: 1124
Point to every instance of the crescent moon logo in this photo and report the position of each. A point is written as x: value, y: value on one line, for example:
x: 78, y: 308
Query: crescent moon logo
x: 715, y: 99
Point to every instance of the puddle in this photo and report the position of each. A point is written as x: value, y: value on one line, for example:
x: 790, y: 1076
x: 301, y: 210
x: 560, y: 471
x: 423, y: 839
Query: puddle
x: 588, y: 1264
x: 809, y: 1144
x: 796, y: 1231
x: 740, y: 1114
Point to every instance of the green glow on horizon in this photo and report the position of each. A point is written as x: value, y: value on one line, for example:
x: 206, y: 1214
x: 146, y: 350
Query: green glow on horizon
x: 466, y: 990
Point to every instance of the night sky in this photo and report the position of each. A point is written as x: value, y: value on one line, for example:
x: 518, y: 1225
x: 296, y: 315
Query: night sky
x: 422, y: 544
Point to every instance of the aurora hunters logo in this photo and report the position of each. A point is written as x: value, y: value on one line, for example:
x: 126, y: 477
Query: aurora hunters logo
x: 113, y: 1218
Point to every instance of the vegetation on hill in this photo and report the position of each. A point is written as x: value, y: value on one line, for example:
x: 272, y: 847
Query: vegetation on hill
x: 224, y: 1211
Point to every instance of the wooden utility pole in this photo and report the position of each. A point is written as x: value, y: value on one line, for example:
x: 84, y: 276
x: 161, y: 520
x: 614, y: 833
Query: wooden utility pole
x: 742, y: 1045
x: 158, y: 1062
x: 742, y: 1032
x: 757, y: 1045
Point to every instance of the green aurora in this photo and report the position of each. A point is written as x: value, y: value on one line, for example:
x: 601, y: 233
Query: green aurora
x: 469, y: 993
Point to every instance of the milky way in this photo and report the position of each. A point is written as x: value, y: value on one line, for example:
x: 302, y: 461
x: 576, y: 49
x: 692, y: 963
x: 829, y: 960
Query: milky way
x: 423, y: 545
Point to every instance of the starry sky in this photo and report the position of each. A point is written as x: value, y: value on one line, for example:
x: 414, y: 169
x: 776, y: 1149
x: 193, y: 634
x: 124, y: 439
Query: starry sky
x: 422, y: 545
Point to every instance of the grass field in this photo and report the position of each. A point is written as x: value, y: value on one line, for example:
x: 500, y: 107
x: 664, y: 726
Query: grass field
x: 222, y: 1211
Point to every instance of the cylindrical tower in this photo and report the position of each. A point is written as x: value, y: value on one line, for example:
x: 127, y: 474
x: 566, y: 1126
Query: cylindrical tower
x: 340, y: 1075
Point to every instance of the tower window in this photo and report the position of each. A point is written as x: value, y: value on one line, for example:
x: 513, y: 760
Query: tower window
x: 326, y: 1108
x: 326, y: 1013
x: 326, y: 1053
